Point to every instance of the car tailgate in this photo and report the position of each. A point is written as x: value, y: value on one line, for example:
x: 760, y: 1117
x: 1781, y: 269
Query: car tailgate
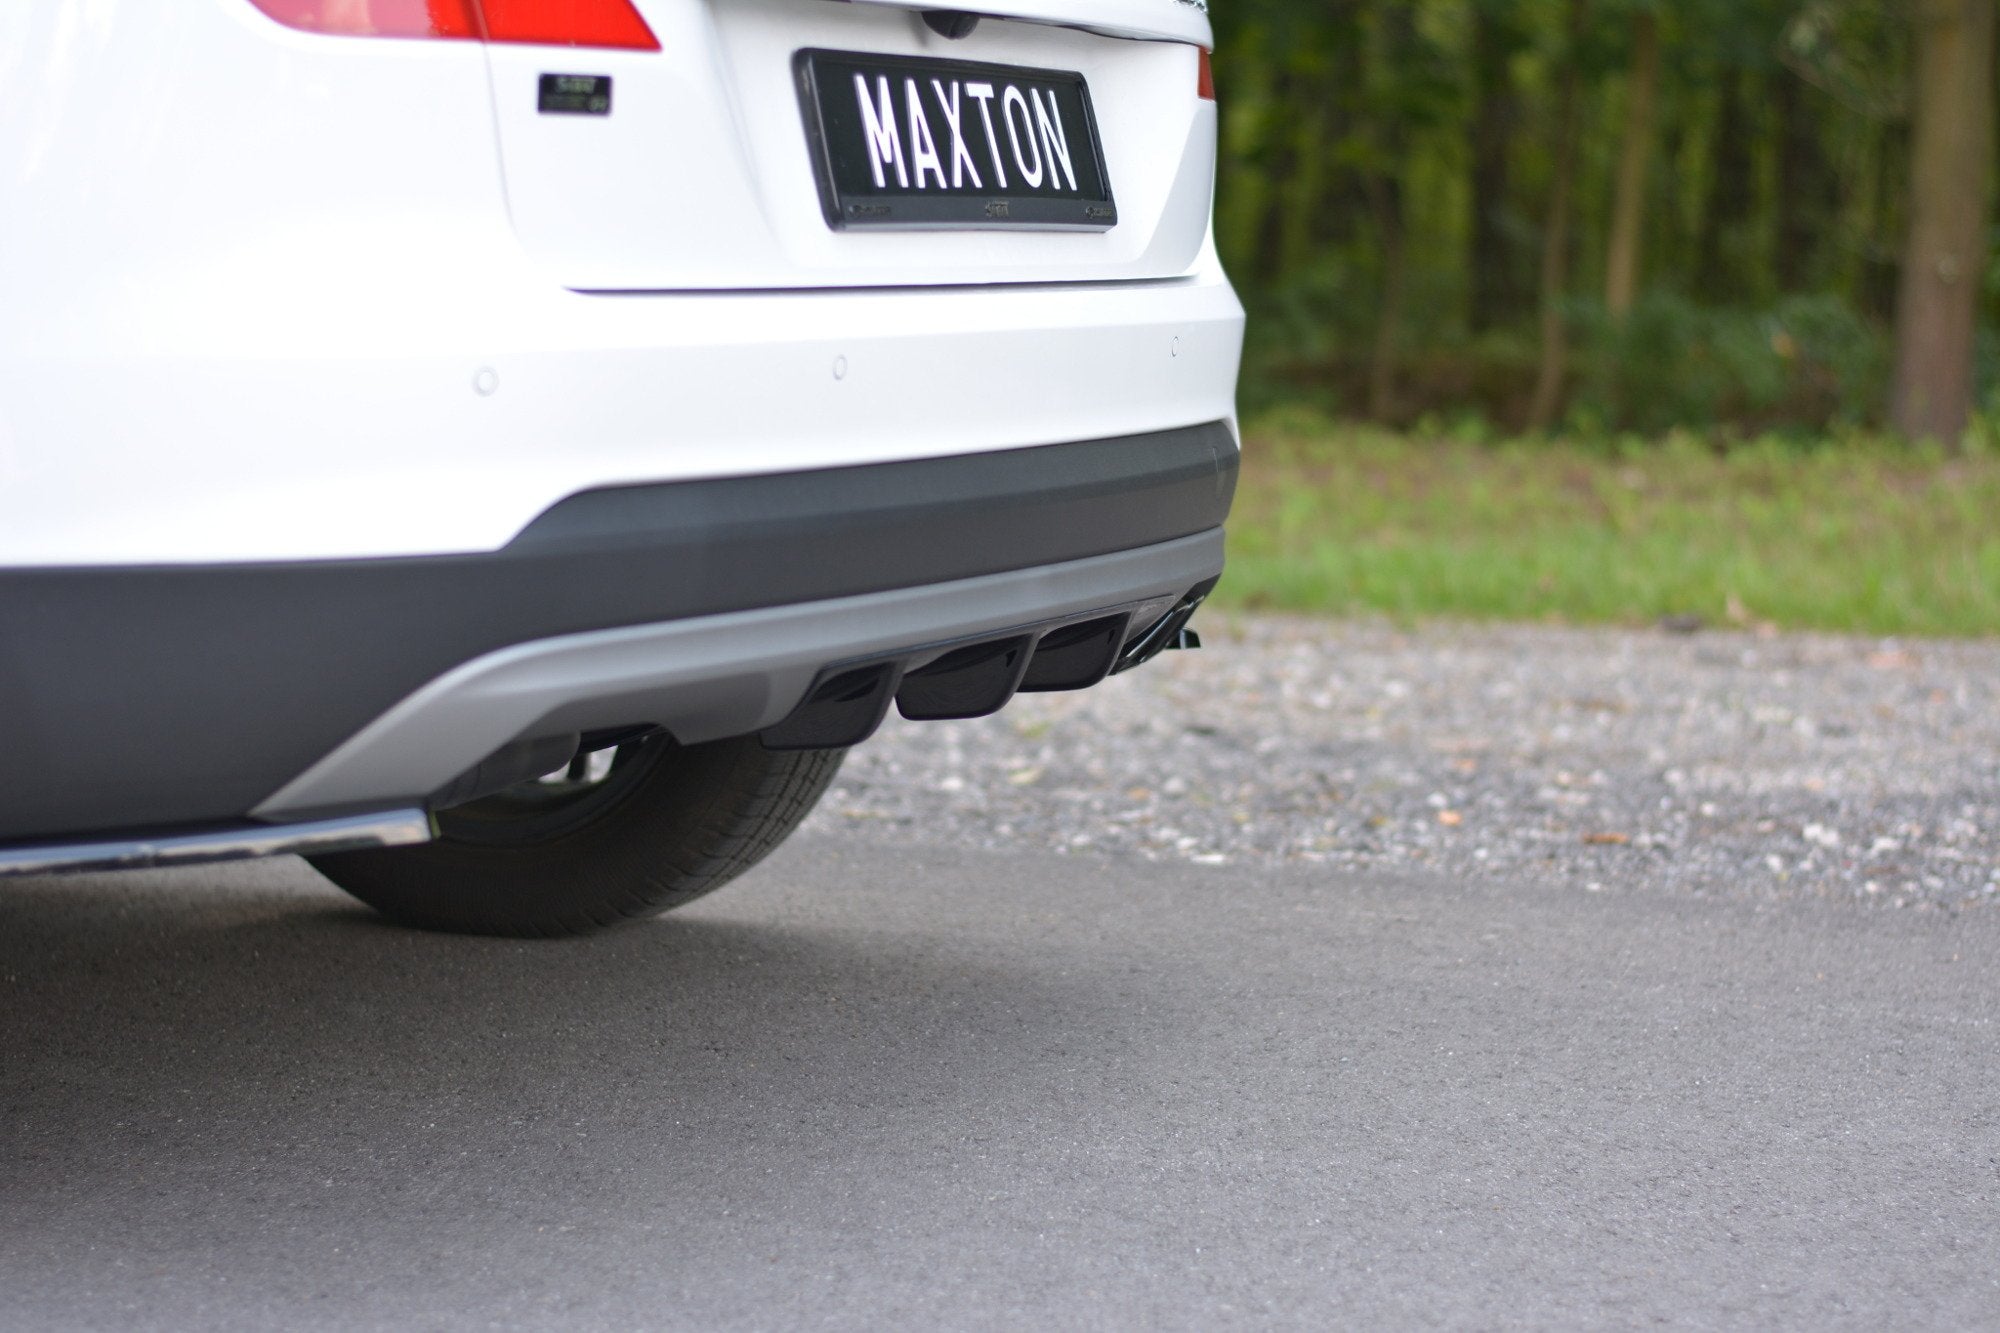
x: 699, y: 172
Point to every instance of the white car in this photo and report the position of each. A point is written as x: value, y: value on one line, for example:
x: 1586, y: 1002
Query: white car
x: 507, y: 450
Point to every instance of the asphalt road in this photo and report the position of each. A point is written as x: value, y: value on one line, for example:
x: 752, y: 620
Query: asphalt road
x: 878, y: 1086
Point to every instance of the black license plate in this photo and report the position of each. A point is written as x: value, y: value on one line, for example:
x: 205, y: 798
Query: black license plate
x: 917, y: 143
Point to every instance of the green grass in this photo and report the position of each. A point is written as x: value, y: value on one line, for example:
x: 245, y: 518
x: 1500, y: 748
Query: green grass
x: 1860, y: 535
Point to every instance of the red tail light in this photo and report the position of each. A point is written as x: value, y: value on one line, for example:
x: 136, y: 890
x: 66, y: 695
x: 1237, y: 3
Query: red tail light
x: 1204, y: 82
x: 377, y: 18
x: 568, y: 23
x: 601, y: 23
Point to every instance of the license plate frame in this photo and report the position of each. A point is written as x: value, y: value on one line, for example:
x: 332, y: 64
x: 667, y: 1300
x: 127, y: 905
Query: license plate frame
x: 864, y: 169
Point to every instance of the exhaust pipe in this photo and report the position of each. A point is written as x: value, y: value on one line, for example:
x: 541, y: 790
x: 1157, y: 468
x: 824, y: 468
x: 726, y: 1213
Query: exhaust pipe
x: 1169, y: 633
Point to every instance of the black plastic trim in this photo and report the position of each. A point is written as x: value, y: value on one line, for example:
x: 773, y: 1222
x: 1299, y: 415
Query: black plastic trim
x: 843, y: 708
x: 1169, y: 632
x: 976, y: 681
x: 182, y: 694
x: 1076, y: 657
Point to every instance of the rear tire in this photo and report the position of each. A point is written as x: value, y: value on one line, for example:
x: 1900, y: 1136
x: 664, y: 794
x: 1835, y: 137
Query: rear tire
x: 666, y: 825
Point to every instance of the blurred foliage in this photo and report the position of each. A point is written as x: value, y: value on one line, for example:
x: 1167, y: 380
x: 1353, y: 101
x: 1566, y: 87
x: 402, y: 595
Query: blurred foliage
x: 1387, y: 172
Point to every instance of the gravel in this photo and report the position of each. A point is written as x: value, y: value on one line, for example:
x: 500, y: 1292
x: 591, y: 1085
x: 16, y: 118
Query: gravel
x: 1714, y: 763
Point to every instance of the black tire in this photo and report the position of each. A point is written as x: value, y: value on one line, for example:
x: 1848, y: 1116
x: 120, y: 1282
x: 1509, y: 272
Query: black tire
x: 666, y: 825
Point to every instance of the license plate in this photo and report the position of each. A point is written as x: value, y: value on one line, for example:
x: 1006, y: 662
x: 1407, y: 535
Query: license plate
x: 921, y: 144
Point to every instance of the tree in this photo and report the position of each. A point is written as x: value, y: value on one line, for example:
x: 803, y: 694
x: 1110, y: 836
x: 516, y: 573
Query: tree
x: 1493, y: 254
x: 1808, y: 199
x: 1944, y: 261
x: 1547, y: 401
x: 1391, y: 173
x: 1731, y: 203
x: 1635, y: 154
x: 1407, y: 84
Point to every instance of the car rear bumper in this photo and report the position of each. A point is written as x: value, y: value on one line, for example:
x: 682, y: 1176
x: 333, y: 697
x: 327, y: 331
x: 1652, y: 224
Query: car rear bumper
x: 252, y: 421
x: 168, y: 696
